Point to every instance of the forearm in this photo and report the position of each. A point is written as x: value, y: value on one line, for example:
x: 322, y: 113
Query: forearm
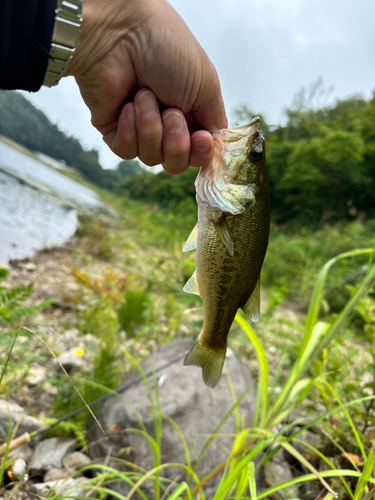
x: 25, y: 38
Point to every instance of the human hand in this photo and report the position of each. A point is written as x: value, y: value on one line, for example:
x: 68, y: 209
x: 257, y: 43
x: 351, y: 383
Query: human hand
x: 135, y: 57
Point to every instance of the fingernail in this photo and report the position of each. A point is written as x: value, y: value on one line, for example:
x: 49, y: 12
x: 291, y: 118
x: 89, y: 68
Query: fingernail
x: 201, y: 145
x: 130, y: 116
x: 147, y: 105
x: 173, y: 122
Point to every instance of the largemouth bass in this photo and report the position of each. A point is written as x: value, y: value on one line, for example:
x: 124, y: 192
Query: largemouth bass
x: 231, y: 239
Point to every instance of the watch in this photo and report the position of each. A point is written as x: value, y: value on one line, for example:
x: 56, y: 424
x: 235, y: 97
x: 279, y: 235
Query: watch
x: 65, y: 36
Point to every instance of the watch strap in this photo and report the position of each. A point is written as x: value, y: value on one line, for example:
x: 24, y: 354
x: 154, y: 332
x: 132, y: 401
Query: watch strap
x: 65, y: 36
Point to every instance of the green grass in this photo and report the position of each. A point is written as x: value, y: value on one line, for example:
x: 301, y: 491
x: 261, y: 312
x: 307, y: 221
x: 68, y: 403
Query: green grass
x: 131, y: 271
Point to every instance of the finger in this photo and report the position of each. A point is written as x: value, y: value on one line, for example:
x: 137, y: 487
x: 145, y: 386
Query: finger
x: 209, y: 110
x: 149, y: 128
x: 202, y: 148
x: 176, y: 142
x: 123, y: 141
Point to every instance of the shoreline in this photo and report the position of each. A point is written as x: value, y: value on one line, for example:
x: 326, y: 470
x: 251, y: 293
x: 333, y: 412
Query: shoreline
x: 40, y: 205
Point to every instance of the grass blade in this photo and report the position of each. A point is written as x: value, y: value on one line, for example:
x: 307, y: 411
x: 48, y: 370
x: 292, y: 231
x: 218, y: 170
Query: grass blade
x: 252, y: 483
x: 263, y: 364
x: 308, y: 477
x: 8, y: 357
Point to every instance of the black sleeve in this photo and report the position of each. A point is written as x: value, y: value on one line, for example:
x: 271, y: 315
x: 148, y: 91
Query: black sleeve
x: 25, y: 39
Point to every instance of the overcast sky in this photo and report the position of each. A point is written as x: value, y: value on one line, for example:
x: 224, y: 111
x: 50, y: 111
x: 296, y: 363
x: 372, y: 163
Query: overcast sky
x: 265, y: 51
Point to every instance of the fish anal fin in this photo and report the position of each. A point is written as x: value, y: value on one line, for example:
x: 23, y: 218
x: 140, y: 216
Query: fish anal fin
x: 252, y: 305
x: 210, y: 361
x: 223, y: 230
x: 192, y: 285
x: 191, y: 242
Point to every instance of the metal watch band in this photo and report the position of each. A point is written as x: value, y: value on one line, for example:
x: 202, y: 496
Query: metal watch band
x: 65, y: 36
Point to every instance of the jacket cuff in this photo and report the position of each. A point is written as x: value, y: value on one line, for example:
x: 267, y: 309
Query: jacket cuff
x: 26, y: 28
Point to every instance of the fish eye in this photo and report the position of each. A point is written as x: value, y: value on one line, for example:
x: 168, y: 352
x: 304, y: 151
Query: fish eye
x: 255, y: 155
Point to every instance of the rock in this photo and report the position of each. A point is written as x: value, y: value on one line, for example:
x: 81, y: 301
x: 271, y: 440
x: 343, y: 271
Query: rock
x: 50, y: 453
x: 36, y: 374
x: 72, y: 488
x: 76, y: 460
x: 195, y: 408
x: 56, y: 474
x: 16, y: 414
x: 29, y: 266
x: 276, y: 472
x: 70, y: 360
x: 24, y: 451
x: 71, y: 335
x: 313, y: 440
x: 50, y: 389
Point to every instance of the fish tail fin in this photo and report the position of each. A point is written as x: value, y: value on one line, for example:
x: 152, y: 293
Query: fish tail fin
x: 209, y: 360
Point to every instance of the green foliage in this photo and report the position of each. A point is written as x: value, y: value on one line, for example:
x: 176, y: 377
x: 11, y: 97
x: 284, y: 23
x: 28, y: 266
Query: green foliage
x: 165, y: 190
x: 132, y: 312
x: 129, y: 168
x: 320, y: 162
x: 293, y: 261
x: 11, y: 301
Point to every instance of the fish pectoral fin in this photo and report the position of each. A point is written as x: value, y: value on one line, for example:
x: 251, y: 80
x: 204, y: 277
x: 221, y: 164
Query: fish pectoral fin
x: 252, y: 305
x: 191, y: 242
x: 210, y: 361
x: 192, y: 285
x: 223, y: 230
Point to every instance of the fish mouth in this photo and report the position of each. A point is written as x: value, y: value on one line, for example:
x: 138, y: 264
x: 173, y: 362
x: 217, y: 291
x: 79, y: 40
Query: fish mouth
x: 242, y: 130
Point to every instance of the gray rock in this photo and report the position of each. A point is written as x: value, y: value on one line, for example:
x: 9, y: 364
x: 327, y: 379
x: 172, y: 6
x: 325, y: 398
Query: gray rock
x: 36, y: 374
x: 195, y: 408
x: 70, y: 360
x: 24, y: 451
x: 312, y: 439
x: 50, y: 390
x: 15, y: 414
x: 71, y: 335
x: 29, y: 266
x: 276, y: 472
x: 56, y: 474
x: 76, y: 460
x: 50, y: 453
x: 67, y: 488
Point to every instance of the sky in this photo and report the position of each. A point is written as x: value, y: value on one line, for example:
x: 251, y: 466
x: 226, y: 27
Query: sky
x: 265, y: 51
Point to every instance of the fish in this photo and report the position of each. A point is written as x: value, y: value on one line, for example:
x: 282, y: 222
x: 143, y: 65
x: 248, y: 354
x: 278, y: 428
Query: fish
x: 230, y: 238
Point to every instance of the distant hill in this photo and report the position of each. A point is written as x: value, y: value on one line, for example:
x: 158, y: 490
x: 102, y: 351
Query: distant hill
x: 22, y: 122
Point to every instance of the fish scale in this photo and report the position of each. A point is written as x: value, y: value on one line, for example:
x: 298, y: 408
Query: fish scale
x: 231, y: 241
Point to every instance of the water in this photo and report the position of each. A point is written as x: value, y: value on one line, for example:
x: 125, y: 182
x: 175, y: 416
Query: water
x: 38, y: 206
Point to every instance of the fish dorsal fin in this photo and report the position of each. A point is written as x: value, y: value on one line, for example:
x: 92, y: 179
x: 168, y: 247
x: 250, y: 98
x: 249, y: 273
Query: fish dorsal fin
x: 191, y: 242
x: 224, y: 232
x: 252, y: 305
x: 192, y: 285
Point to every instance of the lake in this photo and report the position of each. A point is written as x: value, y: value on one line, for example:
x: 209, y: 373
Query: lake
x: 39, y: 206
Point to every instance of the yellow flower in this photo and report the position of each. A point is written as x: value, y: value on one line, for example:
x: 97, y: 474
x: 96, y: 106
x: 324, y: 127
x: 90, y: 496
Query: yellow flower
x: 79, y: 351
x: 164, y: 329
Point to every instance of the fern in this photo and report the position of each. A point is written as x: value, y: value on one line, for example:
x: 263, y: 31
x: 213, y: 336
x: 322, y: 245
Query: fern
x: 11, y: 301
x: 75, y: 428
